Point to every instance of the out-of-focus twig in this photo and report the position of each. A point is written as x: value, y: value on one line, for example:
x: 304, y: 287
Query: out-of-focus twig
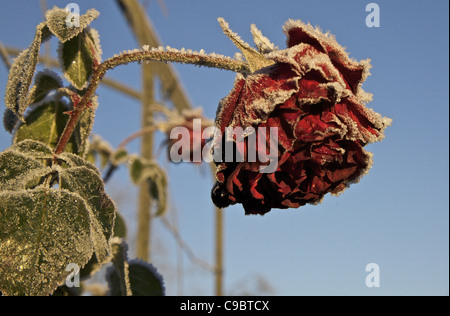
x: 184, y: 246
x: 142, y: 132
x: 5, y: 56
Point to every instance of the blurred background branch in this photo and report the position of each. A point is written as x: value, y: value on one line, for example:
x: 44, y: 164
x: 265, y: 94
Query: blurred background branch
x: 5, y: 55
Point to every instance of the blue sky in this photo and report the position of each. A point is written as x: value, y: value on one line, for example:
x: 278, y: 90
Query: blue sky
x: 397, y: 216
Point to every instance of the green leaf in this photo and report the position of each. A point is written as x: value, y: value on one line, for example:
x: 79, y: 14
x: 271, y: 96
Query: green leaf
x: 84, y: 127
x: 76, y: 161
x: 19, y: 171
x: 78, y: 56
x: 21, y: 74
x: 41, y: 232
x: 10, y: 120
x: 120, y: 156
x: 120, y: 227
x: 141, y: 169
x: 121, y: 283
x: 102, y: 149
x: 149, y: 170
x: 46, y: 123
x: 56, y: 21
x: 144, y: 280
x: 33, y: 148
x: 44, y: 82
x: 92, y: 267
x: 88, y: 184
x: 158, y: 190
x: 93, y: 38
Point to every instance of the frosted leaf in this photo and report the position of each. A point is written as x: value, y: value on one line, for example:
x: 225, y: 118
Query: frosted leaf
x: 45, y: 123
x: 44, y: 82
x: 158, y: 190
x: 92, y: 267
x: 120, y: 227
x: 21, y: 75
x: 33, y: 148
x: 76, y: 161
x: 41, y: 232
x: 263, y: 44
x: 120, y: 156
x: 20, y: 172
x: 148, y: 170
x: 137, y: 169
x: 255, y: 59
x: 132, y: 278
x: 85, y: 126
x: 10, y: 120
x: 101, y: 148
x: 56, y: 21
x: 145, y: 280
x: 120, y: 270
x: 89, y: 186
x: 78, y: 56
x: 94, y: 38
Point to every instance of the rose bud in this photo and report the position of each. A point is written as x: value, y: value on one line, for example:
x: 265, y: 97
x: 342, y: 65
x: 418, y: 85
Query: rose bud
x: 311, y: 93
x: 187, y: 133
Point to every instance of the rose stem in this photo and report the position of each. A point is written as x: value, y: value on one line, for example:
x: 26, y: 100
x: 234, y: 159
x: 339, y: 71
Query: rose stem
x: 141, y: 56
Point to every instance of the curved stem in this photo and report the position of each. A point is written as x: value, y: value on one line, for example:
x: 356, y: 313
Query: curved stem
x: 170, y: 55
x: 142, y: 132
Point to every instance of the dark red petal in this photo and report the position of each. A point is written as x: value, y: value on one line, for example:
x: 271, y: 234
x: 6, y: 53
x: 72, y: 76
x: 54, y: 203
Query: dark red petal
x: 255, y: 97
x: 228, y: 104
x: 354, y: 72
x: 362, y: 125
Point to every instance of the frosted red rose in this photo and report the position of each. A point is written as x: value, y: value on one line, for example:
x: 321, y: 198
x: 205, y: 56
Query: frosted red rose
x: 312, y: 94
